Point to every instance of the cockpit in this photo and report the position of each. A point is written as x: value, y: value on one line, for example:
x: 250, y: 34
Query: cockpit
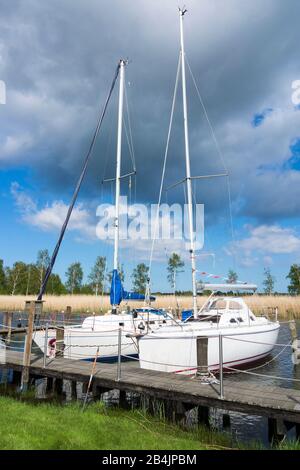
x: 228, y: 310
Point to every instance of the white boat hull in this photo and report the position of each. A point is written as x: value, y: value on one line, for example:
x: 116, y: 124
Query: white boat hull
x: 177, y: 353
x: 82, y: 342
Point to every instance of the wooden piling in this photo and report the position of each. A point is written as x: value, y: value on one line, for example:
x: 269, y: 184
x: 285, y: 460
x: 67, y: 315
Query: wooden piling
x: 122, y: 399
x: 58, y: 386
x: 226, y: 421
x: 34, y: 309
x: 50, y: 384
x: 276, y: 430
x: 53, y: 316
x: 60, y: 335
x: 202, y: 355
x: 9, y: 327
x: 298, y: 432
x: 5, y: 315
x: 203, y: 416
x: 68, y: 314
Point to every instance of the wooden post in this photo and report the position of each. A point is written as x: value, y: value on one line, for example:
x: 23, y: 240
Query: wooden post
x: 58, y: 386
x: 276, y: 430
x: 9, y: 327
x: 203, y: 415
x: 226, y: 421
x: 122, y: 399
x: 53, y: 316
x: 5, y: 316
x: 293, y: 330
x: 34, y: 309
x: 202, y: 361
x: 295, y: 342
x: 73, y: 390
x: 68, y: 314
x: 60, y: 335
x: 297, y: 431
x: 50, y: 384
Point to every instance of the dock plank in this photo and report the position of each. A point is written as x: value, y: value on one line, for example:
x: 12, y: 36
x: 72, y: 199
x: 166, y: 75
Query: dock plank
x: 256, y: 399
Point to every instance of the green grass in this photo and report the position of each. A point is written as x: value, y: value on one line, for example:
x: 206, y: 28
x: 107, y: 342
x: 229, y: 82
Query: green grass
x: 25, y: 425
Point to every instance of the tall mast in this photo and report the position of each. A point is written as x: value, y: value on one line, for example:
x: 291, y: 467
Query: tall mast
x: 118, y: 165
x: 188, y: 166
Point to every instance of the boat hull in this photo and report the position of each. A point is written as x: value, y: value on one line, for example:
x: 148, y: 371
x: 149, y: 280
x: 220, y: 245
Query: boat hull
x: 179, y: 352
x: 83, y: 345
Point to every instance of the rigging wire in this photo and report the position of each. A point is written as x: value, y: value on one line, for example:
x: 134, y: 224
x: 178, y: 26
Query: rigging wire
x: 164, y: 167
x: 130, y: 130
x: 218, y: 150
x: 78, y: 186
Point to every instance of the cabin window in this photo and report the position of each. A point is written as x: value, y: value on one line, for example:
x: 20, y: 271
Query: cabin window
x: 233, y: 320
x: 214, y: 319
x: 233, y: 305
x: 218, y: 305
x: 240, y: 320
x: 252, y: 318
x: 121, y: 324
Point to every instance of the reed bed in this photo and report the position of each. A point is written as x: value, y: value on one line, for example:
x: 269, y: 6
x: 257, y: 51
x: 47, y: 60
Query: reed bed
x: 288, y: 306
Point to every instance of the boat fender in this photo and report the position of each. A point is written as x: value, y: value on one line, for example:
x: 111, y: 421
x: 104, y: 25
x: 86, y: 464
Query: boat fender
x: 134, y: 314
x: 52, y: 346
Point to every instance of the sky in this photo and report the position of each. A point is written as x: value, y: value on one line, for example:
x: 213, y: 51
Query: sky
x: 57, y: 60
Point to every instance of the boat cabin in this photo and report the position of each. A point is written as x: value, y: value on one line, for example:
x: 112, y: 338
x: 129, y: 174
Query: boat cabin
x: 226, y: 311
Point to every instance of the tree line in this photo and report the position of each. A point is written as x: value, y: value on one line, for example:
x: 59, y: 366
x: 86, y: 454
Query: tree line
x: 26, y: 279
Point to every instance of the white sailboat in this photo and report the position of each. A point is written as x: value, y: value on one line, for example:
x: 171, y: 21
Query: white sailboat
x: 82, y: 341
x: 195, y: 343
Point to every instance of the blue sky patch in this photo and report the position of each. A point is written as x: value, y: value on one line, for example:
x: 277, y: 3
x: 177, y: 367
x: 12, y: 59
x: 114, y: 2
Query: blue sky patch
x: 259, y: 118
x: 293, y: 162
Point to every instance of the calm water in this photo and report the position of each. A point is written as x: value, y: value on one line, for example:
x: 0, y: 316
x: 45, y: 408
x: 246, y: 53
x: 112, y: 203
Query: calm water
x: 243, y: 427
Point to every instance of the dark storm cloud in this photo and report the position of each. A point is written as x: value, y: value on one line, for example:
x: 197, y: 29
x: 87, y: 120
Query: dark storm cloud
x: 58, y: 59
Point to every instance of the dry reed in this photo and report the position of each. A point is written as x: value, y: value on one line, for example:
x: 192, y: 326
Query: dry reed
x: 288, y: 306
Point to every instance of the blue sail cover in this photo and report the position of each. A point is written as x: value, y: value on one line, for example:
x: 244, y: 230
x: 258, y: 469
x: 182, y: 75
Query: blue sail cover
x: 117, y: 292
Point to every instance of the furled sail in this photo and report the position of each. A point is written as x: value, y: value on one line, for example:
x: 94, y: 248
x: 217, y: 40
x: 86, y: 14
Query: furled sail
x: 117, y: 292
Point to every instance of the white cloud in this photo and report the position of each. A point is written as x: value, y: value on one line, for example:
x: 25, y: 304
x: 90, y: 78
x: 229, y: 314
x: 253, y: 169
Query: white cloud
x: 24, y: 202
x: 267, y: 240
x: 51, y: 217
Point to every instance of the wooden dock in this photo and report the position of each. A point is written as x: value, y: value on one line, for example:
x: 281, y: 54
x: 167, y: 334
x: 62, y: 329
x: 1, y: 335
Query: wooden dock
x: 18, y: 330
x: 251, y: 398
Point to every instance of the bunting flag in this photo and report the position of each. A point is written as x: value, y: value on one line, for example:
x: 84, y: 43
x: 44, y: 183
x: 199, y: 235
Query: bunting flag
x: 217, y: 276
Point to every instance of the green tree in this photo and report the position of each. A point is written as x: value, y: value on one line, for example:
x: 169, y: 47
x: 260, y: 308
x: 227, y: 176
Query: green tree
x: 97, y: 275
x: 32, y: 279
x: 74, y: 276
x: 175, y: 263
x: 268, y: 282
x: 2, y: 278
x: 232, y: 277
x: 42, y: 263
x: 16, y: 278
x: 55, y: 285
x: 140, y: 278
x: 86, y: 289
x: 294, y: 277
